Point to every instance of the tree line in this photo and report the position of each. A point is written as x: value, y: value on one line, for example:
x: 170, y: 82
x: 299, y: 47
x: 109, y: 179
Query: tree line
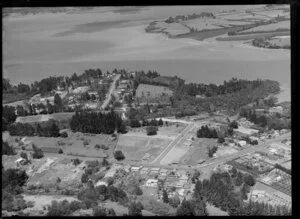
x: 48, y: 129
x: 205, y: 132
x: 93, y: 122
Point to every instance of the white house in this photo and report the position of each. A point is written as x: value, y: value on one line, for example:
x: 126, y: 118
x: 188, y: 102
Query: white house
x: 101, y: 183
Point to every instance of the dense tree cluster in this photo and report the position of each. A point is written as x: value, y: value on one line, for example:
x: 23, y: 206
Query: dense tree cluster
x: 101, y: 211
x: 195, y: 207
x: 92, y: 122
x: 92, y: 195
x: 188, y: 17
x: 231, y: 98
x: 12, y: 182
x: 220, y: 191
x: 269, y: 121
x: 119, y: 155
x: 7, y: 150
x: 286, y: 170
x: 64, y: 208
x: 8, y: 116
x: 212, y: 151
x: 205, y: 132
x: 135, y: 209
x: 151, y: 130
x: 49, y: 129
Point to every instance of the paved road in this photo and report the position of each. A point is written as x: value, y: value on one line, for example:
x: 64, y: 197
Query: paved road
x: 112, y: 88
x: 172, y: 144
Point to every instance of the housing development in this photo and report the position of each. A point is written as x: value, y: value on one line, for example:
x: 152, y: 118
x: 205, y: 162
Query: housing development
x: 143, y: 142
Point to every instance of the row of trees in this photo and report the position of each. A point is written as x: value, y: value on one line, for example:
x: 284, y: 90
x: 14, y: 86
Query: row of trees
x: 49, y: 129
x: 134, y: 123
x: 92, y: 122
x: 8, y: 116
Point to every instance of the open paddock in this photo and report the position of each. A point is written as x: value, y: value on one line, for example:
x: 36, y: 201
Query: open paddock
x: 135, y: 148
x: 74, y: 144
x: 198, y: 151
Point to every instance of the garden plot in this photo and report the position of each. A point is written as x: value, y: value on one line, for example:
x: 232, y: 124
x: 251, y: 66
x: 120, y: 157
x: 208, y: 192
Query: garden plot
x: 139, y: 148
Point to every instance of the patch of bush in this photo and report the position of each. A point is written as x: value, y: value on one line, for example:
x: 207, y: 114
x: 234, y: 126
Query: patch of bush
x: 37, y: 152
x: 64, y: 134
x: 7, y: 150
x: 151, y: 130
x: 119, y: 155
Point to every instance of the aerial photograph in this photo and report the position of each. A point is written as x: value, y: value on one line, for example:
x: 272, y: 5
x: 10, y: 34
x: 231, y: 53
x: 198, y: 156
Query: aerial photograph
x: 146, y: 110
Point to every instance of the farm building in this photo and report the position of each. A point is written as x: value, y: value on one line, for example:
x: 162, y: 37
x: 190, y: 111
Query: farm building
x: 241, y: 131
x: 101, y: 183
x: 151, y: 183
x: 152, y: 91
x: 277, y: 109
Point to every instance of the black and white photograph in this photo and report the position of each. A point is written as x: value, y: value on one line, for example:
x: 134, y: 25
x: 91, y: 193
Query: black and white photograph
x: 158, y: 110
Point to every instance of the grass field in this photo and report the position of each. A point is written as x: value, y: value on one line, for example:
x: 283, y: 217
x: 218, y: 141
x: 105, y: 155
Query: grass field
x: 198, y: 151
x: 135, y: 148
x: 46, y: 117
x: 74, y: 144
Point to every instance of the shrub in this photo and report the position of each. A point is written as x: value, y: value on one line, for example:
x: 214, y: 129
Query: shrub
x: 85, y: 142
x: 37, y: 152
x: 119, y: 155
x: 151, y: 130
x: 174, y: 201
x: 60, y: 151
x: 99, y: 211
x: 64, y: 135
x: 97, y: 146
x: 221, y: 140
x: 7, y: 150
x: 249, y: 180
x: 84, y: 178
x: 135, y: 209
